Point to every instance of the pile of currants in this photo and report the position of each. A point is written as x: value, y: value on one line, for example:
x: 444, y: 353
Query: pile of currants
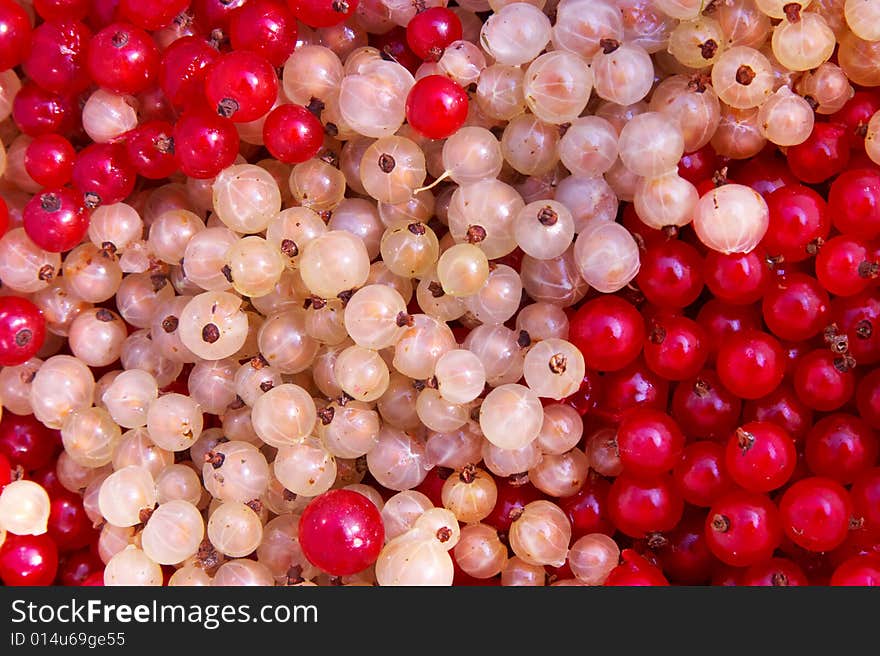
x: 359, y: 292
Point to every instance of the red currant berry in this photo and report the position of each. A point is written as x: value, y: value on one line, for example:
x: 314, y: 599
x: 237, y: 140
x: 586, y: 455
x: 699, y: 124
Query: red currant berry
x: 639, y: 507
x: 394, y: 47
x: 858, y: 317
x: 151, y: 14
x: 824, y: 381
x: 737, y: 278
x: 28, y: 560
x: 743, y: 528
x: 683, y: 552
x: 57, y: 60
x: 69, y: 525
x: 183, y: 70
x: 856, y: 113
x: 22, y: 330
x: 150, y: 149
x: 204, y: 143
x: 858, y: 571
x: 634, y: 386
x: 854, y: 203
x: 322, y: 13
x: 436, y: 107
x: 722, y: 320
x: 27, y: 442
x: 49, y: 160
x: 78, y: 566
x: 649, y: 442
x: 429, y: 32
x: 783, y: 408
x: 764, y: 173
x: 609, y: 332
x: 798, y: 222
x: 816, y: 513
x: 775, y: 572
x: 55, y: 220
x: 847, y: 265
x: 293, y: 134
x: 841, y: 447
x: 698, y: 165
x: 588, y: 508
x: 341, y: 532
x: 760, y: 457
x: 641, y: 231
x: 15, y: 34
x: 512, y: 498
x: 704, y: 408
x: 868, y: 398
x: 635, y: 570
x: 265, y: 27
x: 37, y: 111
x: 210, y: 15
x: 700, y: 475
x: 241, y: 86
x: 587, y: 396
x: 123, y: 58
x: 824, y: 154
x: 751, y: 364
x: 796, y: 308
x: 103, y: 174
x: 676, y: 347
x: 61, y: 10
x: 865, y: 495
x: 671, y: 274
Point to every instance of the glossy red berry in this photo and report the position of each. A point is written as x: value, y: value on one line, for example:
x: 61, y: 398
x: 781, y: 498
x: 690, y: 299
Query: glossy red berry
x: 151, y: 14
x: 265, y: 27
x: 856, y: 113
x: 796, y: 308
x: 61, y: 10
x: 587, y: 510
x: 204, y: 143
x: 815, y: 513
x: 649, y: 442
x: 37, y: 111
x: 634, y: 386
x: 858, y: 571
x: 123, y: 58
x: 293, y: 134
x: 609, y: 332
x: 798, y: 222
x: 587, y: 396
x: 28, y: 560
x: 69, y: 525
x: 854, y: 203
x: 700, y: 474
x: 823, y: 380
x: 436, y: 107
x: 671, y: 274
x: 241, y: 86
x: 15, y: 34
x: 841, y: 446
x: 783, y: 408
x: 760, y: 457
x: 183, y: 69
x: 751, y: 364
x: 322, y: 13
x: 858, y: 317
x: 764, y: 173
x: 635, y: 570
x: 22, y: 330
x: 103, y: 174
x: 638, y: 507
x: 847, y: 265
x: 865, y: 495
x: 676, y: 347
x: 55, y: 219
x: 77, y: 567
x: 512, y: 498
x: 27, y: 442
x: 698, y: 165
x: 868, y: 398
x: 393, y: 46
x: 150, y: 149
x: 683, y: 553
x: 430, y: 31
x: 824, y: 154
x: 341, y: 532
x: 722, y: 320
x: 704, y: 408
x: 743, y: 528
x: 737, y: 278
x: 57, y: 59
x: 775, y: 572
x: 49, y: 160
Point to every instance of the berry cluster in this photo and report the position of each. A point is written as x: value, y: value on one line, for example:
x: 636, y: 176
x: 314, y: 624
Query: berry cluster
x: 320, y: 292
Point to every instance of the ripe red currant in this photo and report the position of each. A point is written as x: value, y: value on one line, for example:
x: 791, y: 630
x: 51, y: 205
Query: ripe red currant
x: 241, y: 86
x: 815, y: 513
x: 760, y: 457
x: 609, y: 332
x: 751, y: 364
x: 436, y: 107
x: 123, y: 58
x: 649, y: 442
x: 22, y: 330
x: 841, y: 446
x: 28, y: 560
x: 639, y: 507
x: 743, y: 528
x: 204, y: 143
x: 430, y: 31
x: 55, y: 219
x: 293, y: 134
